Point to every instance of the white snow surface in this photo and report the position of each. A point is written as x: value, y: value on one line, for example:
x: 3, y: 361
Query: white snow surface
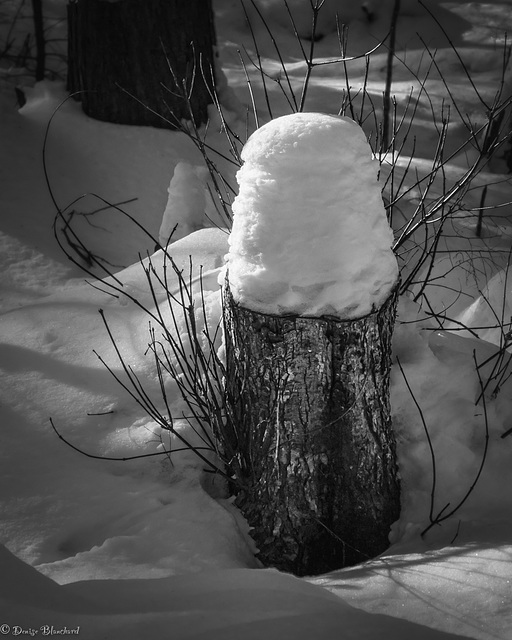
x: 222, y: 605
x: 310, y: 235
x: 187, y: 204
x: 129, y: 550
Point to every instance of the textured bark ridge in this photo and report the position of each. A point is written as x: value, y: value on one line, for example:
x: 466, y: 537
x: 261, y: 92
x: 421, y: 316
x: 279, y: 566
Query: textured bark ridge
x: 310, y: 422
x: 127, y: 56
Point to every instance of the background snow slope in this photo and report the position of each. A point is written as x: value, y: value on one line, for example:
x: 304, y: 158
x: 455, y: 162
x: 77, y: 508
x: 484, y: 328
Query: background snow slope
x: 184, y: 556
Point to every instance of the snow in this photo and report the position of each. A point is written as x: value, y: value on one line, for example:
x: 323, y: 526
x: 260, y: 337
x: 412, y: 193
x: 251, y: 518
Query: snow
x: 310, y: 235
x: 398, y: 586
x: 228, y: 604
x: 349, y: 12
x: 491, y: 308
x: 146, y: 548
x: 188, y: 203
x: 492, y: 370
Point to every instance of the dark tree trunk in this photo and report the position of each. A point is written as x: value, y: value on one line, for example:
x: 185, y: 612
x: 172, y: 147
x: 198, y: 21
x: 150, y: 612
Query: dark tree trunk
x: 316, y: 464
x: 142, y: 62
x: 37, y: 9
x: 501, y: 159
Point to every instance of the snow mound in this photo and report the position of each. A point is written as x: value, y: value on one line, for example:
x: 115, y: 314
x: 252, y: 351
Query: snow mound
x: 215, y: 605
x: 460, y: 590
x: 189, y: 204
x: 488, y: 315
x: 310, y: 234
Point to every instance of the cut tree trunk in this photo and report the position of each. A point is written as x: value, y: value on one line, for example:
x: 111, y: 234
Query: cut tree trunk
x: 142, y: 62
x: 310, y: 434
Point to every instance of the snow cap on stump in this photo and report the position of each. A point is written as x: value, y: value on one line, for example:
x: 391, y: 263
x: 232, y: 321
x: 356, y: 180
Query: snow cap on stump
x: 310, y: 235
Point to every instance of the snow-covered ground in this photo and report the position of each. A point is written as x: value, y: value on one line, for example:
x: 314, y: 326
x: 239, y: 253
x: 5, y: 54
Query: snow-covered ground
x: 145, y: 548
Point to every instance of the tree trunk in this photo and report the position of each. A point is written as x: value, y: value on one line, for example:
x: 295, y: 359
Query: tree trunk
x: 37, y: 10
x: 310, y: 419
x: 142, y: 62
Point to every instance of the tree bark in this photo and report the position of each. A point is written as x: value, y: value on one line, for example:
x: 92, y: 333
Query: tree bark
x: 310, y: 434
x: 142, y: 62
x: 37, y: 10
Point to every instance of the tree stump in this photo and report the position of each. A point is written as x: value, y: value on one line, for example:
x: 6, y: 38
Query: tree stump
x: 316, y: 467
x: 309, y: 306
x: 142, y: 62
